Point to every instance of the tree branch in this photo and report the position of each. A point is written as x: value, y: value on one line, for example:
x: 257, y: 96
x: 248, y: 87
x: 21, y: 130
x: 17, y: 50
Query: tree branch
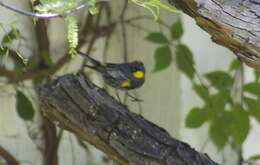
x: 234, y: 24
x: 32, y: 74
x: 78, y: 105
x: 9, y: 158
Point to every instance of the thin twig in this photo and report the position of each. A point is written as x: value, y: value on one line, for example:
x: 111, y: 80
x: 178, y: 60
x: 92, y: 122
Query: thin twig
x: 47, y: 15
x: 122, y: 16
x: 9, y: 158
x: 93, y: 39
x: 138, y: 27
x: 73, y: 156
x: 44, y: 15
x: 110, y: 24
x: 38, y: 72
x: 31, y: 74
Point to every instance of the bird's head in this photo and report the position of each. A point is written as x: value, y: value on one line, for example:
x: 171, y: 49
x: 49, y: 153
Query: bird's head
x: 138, y: 69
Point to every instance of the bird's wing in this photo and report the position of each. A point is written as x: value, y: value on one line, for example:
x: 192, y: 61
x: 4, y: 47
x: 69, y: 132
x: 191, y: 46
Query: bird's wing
x: 115, y: 71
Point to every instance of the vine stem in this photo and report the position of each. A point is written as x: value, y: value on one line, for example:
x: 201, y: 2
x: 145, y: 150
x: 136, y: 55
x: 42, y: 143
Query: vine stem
x: 47, y: 15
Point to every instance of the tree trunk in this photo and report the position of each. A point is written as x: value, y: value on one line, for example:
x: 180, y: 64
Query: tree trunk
x: 234, y: 24
x: 78, y: 105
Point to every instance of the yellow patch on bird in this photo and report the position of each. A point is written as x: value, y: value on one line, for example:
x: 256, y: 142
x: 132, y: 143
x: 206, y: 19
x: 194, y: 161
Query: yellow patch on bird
x: 138, y: 74
x: 125, y: 84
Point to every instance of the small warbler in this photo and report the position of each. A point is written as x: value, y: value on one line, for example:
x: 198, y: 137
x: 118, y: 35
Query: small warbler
x: 123, y: 76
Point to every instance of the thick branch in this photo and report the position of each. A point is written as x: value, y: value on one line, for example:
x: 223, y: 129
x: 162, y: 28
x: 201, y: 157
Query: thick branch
x: 234, y: 24
x: 88, y: 111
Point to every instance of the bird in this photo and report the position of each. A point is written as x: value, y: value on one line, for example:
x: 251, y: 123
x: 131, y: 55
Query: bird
x: 123, y: 76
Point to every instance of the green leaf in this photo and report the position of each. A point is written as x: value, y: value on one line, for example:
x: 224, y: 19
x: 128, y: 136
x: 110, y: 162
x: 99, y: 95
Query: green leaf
x: 218, y: 101
x: 253, y: 107
x: 184, y: 59
x: 56, y: 6
x: 24, y: 106
x: 24, y: 60
x: 157, y: 37
x: 254, y: 157
x: 235, y: 64
x: 12, y: 35
x: 240, y: 124
x: 163, y: 6
x: 219, y: 130
x: 47, y: 58
x: 219, y: 79
x: 253, y: 88
x: 92, y: 7
x: 72, y: 34
x: 3, y: 50
x: 163, y: 58
x: 177, y: 30
x: 154, y: 6
x: 257, y: 75
x: 151, y: 6
x: 201, y: 91
x: 196, y: 117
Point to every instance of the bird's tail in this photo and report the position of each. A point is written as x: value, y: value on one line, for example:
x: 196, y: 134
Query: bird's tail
x: 96, y: 65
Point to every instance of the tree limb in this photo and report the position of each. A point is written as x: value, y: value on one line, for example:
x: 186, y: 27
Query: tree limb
x: 9, y: 158
x: 78, y: 105
x: 234, y: 24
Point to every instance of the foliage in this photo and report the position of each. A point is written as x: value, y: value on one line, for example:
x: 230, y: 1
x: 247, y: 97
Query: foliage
x: 24, y: 106
x: 229, y: 121
x: 162, y: 57
x: 57, y: 6
x: 184, y: 60
x: 61, y: 7
x: 154, y: 6
x: 177, y: 30
x: 157, y: 37
x: 12, y: 35
x: 255, y: 157
x: 72, y: 34
x: 197, y: 117
x: 183, y: 55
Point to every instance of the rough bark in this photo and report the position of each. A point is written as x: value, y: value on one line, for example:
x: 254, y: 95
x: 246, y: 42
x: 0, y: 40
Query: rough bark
x: 234, y: 24
x: 78, y: 105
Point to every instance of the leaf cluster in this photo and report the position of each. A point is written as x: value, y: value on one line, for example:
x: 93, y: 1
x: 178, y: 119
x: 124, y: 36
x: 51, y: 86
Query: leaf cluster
x: 229, y: 121
x: 163, y: 54
x: 61, y: 6
x: 154, y: 6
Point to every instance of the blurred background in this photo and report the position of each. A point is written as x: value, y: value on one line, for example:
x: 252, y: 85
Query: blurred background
x: 195, y: 89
